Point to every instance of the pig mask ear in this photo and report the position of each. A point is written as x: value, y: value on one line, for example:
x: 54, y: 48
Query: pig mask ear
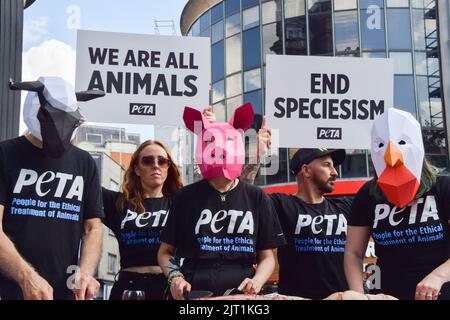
x: 243, y: 117
x: 191, y: 116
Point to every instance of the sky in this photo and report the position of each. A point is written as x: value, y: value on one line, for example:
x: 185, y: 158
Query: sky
x: 50, y: 29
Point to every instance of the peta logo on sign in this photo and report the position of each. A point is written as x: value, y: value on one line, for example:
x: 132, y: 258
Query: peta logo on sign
x: 142, y: 109
x: 329, y: 133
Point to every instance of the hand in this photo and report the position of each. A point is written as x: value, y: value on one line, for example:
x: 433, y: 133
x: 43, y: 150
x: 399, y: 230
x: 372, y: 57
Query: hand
x: 209, y: 114
x: 86, y: 286
x: 429, y: 288
x: 178, y: 286
x: 264, y: 139
x: 250, y: 286
x: 34, y: 287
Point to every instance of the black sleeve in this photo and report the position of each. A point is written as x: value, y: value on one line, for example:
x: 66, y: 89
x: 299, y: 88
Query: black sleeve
x: 3, y: 184
x: 93, y: 195
x: 109, y: 207
x: 276, y: 202
x: 443, y: 186
x: 359, y: 213
x: 270, y: 234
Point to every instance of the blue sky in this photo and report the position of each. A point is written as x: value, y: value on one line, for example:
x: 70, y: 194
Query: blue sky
x: 50, y: 28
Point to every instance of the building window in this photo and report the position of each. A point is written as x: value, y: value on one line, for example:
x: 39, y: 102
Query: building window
x: 346, y: 33
x: 250, y: 18
x: 217, y: 32
x: 196, y: 28
x: 252, y: 48
x: 205, y: 20
x: 320, y: 27
x: 255, y: 98
x: 94, y: 138
x: 271, y: 11
x: 233, y: 25
x: 234, y: 85
x: 404, y: 97
x: 402, y: 62
x: 399, y: 26
x: 232, y: 105
x: 294, y: 8
x: 217, y: 61
x: 249, y: 3
x: 218, y: 93
x: 354, y: 165
x: 217, y: 13
x: 344, y: 4
x: 234, y: 54
x: 295, y: 36
x: 372, y: 25
x: 220, y: 111
x: 112, y: 261
x: 272, y: 39
x: 232, y: 6
x: 252, y: 80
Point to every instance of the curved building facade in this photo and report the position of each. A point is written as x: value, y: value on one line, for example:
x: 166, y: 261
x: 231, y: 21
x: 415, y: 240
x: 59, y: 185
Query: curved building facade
x: 243, y: 32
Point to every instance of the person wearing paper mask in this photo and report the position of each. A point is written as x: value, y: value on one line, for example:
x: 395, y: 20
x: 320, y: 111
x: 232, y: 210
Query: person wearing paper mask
x: 219, y: 225
x: 406, y: 210
x: 49, y: 200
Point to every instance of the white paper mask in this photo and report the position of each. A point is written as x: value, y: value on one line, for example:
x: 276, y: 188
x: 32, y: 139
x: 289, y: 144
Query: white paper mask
x: 51, y: 111
x: 397, y: 154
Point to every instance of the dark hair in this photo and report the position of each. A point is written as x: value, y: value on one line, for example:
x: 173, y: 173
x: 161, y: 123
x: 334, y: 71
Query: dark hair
x: 132, y: 191
x: 427, y: 181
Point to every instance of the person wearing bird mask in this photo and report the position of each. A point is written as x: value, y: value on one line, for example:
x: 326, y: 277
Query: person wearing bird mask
x: 406, y: 210
x: 49, y: 200
x: 220, y: 225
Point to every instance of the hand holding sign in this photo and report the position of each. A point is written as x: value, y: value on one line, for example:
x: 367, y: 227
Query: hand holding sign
x: 209, y: 114
x: 264, y: 139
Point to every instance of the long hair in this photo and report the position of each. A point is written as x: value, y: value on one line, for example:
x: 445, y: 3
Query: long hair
x: 427, y: 181
x: 132, y: 191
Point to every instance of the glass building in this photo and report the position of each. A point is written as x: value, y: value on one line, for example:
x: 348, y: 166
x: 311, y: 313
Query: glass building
x: 243, y: 32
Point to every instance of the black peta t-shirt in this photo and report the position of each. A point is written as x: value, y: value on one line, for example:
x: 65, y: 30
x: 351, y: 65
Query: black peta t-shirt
x: 202, y: 226
x: 138, y: 233
x: 410, y: 242
x: 46, y: 202
x: 312, y: 263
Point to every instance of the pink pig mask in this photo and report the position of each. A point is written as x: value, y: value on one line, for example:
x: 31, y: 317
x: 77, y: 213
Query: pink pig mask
x: 220, y: 148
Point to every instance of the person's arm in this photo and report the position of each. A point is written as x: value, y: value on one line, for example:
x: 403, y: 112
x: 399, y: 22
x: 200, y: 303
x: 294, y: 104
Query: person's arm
x: 14, y: 266
x: 178, y: 284
x: 266, y: 265
x: 355, y: 248
x: 429, y: 288
x: 264, y: 140
x: 87, y: 286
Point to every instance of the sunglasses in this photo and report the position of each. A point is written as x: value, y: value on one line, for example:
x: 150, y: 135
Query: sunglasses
x: 149, y: 161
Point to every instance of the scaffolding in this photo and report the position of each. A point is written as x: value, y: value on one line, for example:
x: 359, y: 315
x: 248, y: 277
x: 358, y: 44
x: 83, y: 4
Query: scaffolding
x: 165, y: 24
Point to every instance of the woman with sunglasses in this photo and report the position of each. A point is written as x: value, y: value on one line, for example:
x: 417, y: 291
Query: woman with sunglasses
x: 137, y: 216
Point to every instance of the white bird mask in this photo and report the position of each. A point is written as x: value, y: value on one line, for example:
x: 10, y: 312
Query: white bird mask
x: 397, y: 154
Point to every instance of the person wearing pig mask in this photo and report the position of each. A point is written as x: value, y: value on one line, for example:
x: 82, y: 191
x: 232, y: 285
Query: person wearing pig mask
x: 406, y: 210
x: 220, y: 225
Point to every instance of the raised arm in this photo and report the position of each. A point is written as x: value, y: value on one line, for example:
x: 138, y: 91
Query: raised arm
x: 87, y: 286
x: 355, y: 248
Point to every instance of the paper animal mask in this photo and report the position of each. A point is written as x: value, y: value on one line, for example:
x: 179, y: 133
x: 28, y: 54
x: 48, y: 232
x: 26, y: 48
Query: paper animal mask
x: 220, y: 148
x: 51, y: 111
x: 397, y: 155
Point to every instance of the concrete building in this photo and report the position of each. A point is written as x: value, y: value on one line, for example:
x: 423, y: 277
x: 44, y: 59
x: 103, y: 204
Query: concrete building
x: 414, y: 33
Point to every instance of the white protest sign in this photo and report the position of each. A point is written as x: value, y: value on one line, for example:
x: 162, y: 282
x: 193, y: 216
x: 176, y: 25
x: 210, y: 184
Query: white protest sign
x: 326, y: 102
x: 147, y: 79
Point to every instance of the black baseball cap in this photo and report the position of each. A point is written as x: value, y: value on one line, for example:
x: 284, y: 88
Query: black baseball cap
x: 306, y: 155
